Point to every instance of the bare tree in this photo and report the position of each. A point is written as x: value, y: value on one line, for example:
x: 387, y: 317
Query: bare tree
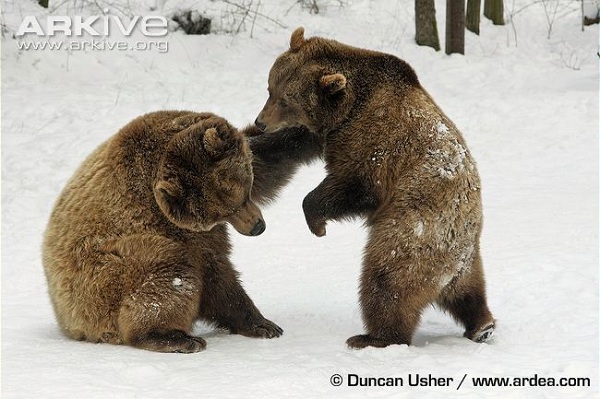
x: 494, y: 10
x: 455, y: 26
x: 426, y: 25
x: 473, y: 15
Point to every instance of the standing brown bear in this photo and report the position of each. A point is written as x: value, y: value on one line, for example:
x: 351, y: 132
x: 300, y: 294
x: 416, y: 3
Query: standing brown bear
x: 393, y: 157
x: 135, y: 250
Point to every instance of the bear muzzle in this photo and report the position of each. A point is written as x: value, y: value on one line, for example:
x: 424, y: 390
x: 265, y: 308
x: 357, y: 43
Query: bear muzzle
x: 258, y: 228
x: 248, y: 220
x: 266, y: 125
x: 261, y: 126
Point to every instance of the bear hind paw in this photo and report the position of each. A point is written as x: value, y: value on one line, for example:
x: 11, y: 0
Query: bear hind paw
x: 364, y: 340
x: 482, y: 334
x: 174, y: 341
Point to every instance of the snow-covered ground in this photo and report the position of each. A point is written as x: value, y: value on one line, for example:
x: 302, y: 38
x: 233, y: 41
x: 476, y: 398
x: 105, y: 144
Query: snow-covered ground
x: 527, y: 105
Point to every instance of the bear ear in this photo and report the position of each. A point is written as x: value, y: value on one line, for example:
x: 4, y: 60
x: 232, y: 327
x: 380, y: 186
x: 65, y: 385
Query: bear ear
x: 218, y: 144
x: 297, y: 39
x: 168, y: 190
x: 169, y: 197
x: 332, y: 84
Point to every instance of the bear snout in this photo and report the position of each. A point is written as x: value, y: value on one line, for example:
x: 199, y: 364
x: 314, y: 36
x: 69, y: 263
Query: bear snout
x: 261, y: 126
x: 248, y: 220
x: 258, y: 228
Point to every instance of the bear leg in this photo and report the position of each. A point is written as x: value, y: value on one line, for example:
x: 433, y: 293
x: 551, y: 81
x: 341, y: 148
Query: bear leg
x: 161, y: 291
x: 336, y: 198
x: 466, y: 301
x: 391, y: 313
x: 277, y: 157
x: 391, y: 299
x: 225, y: 303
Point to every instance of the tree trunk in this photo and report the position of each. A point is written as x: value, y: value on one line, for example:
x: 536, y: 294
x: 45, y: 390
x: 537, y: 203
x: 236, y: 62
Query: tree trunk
x: 43, y: 3
x: 473, y: 13
x: 455, y: 26
x: 426, y: 25
x: 494, y: 10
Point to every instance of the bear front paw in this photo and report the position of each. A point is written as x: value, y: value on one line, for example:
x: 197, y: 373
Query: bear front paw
x: 265, y: 329
x: 317, y: 227
x: 219, y: 124
x: 314, y: 215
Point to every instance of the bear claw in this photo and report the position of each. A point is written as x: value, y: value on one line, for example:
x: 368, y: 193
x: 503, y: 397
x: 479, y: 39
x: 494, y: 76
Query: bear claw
x: 317, y: 228
x: 195, y: 344
x: 267, y: 329
x: 483, y: 334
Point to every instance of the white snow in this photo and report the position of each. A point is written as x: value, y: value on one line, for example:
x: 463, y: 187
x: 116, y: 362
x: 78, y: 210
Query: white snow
x: 449, y: 158
x: 526, y: 104
x: 446, y: 278
x: 441, y: 128
x: 177, y: 282
x: 419, y: 228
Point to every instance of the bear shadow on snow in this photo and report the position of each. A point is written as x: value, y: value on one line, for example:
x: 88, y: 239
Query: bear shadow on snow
x: 136, y: 249
x: 395, y: 159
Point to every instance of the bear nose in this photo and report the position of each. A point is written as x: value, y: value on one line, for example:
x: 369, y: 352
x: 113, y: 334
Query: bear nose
x: 258, y: 228
x: 261, y: 126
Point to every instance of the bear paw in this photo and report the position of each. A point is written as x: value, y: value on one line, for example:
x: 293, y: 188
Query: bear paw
x: 191, y: 345
x: 362, y: 341
x: 265, y: 329
x: 174, y: 341
x: 317, y: 227
x: 219, y: 124
x: 482, y: 334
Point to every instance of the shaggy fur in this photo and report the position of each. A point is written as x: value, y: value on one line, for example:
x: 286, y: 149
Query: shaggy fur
x: 395, y: 159
x: 136, y: 250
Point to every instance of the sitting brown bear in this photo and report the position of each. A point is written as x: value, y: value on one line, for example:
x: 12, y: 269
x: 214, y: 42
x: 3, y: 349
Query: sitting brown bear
x: 135, y: 250
x: 393, y: 157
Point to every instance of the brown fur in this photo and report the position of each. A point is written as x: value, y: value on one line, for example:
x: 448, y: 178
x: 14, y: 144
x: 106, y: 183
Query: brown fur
x: 277, y: 158
x: 135, y: 250
x: 393, y: 157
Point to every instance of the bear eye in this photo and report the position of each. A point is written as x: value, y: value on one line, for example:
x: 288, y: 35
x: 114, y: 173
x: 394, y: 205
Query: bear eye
x: 283, y: 103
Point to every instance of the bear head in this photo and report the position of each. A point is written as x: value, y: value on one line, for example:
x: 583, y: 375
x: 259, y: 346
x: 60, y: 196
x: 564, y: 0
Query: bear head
x: 306, y: 87
x: 204, y: 178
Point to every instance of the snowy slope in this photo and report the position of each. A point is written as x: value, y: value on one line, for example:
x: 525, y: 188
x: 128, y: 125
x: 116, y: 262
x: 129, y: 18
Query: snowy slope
x: 527, y: 105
